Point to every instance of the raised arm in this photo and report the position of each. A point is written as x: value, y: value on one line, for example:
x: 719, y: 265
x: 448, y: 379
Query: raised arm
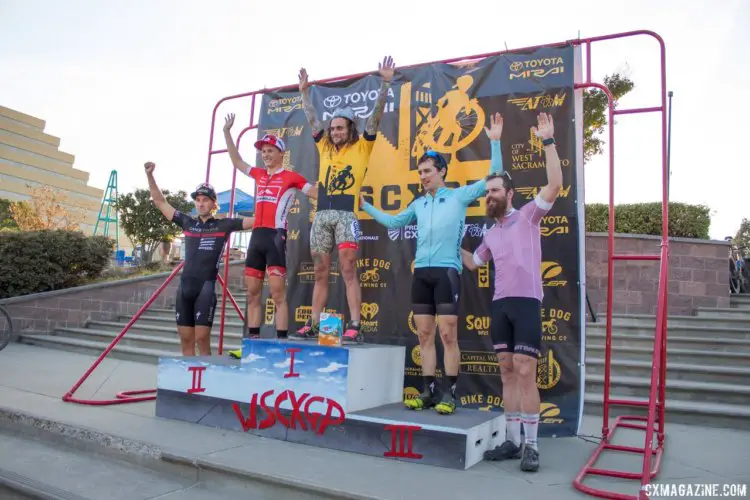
x: 234, y: 154
x: 307, y: 105
x: 386, y: 69
x: 473, y: 191
x: 545, y: 130
x: 390, y: 221
x: 159, y: 200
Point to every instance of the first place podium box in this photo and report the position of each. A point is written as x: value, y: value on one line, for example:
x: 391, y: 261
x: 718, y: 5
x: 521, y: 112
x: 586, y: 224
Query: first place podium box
x: 347, y: 398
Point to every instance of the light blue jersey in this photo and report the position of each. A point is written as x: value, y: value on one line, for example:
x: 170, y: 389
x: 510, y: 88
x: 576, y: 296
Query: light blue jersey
x: 440, y: 219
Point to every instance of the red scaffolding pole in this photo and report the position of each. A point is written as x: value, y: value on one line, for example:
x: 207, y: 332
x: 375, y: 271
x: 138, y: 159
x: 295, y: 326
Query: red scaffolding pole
x: 656, y: 401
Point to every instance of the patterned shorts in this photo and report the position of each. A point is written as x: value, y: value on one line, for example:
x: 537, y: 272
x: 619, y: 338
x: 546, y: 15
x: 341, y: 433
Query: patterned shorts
x: 334, y: 226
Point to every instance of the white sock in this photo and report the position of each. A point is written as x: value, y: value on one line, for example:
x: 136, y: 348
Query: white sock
x: 530, y: 427
x: 513, y: 427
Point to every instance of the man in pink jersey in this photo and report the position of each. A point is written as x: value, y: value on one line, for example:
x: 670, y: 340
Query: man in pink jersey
x: 515, y: 247
x: 275, y: 190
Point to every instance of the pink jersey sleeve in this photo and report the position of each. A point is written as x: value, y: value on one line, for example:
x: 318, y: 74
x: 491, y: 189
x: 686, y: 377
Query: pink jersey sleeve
x: 482, y: 254
x: 535, y: 210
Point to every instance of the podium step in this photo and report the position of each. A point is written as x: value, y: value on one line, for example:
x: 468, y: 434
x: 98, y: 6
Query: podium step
x: 390, y: 431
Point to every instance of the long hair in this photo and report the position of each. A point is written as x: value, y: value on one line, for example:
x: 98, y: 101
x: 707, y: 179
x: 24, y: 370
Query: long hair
x: 351, y: 138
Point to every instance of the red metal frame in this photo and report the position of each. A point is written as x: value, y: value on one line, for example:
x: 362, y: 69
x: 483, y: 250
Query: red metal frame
x: 656, y: 401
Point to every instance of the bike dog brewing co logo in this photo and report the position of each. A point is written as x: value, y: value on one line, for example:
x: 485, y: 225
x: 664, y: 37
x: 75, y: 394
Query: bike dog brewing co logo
x: 373, y: 272
x: 551, y: 320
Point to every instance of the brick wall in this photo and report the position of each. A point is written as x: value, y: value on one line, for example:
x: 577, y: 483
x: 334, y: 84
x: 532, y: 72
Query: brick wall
x: 43, y: 312
x: 698, y: 274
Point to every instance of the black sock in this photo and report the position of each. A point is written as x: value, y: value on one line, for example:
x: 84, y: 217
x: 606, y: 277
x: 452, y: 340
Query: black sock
x: 429, y: 384
x: 282, y: 334
x: 253, y: 331
x: 452, y: 380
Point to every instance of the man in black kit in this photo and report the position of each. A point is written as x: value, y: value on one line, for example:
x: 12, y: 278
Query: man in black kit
x: 204, y: 241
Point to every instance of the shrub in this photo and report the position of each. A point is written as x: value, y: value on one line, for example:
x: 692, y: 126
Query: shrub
x: 40, y: 261
x: 685, y: 221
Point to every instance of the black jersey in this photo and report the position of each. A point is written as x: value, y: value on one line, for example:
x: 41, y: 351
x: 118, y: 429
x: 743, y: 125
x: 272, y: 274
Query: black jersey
x: 204, y: 242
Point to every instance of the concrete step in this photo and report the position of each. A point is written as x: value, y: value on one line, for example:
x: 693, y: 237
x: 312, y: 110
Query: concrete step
x: 151, y: 320
x: 622, y: 339
x: 683, y: 412
x: 141, y: 340
x: 676, y: 371
x: 674, y: 355
x: 170, y: 313
x: 705, y: 322
x: 647, y: 330
x: 157, y: 329
x: 726, y: 312
x: 740, y: 300
x: 682, y: 390
x: 91, y: 347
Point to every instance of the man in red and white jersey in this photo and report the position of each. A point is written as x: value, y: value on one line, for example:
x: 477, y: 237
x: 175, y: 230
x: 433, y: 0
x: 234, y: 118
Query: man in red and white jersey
x: 275, y: 190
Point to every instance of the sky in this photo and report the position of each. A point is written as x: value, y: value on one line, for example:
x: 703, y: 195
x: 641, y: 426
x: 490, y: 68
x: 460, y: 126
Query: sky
x: 122, y: 83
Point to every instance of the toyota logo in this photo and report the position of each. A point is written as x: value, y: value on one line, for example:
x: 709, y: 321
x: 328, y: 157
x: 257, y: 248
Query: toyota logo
x: 516, y: 66
x: 332, y: 101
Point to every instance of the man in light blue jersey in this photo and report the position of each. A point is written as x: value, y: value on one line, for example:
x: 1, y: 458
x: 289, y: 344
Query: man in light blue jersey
x: 440, y: 215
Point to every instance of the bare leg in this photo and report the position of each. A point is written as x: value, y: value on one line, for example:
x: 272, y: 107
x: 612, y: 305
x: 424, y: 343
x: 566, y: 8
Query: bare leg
x: 426, y: 332
x: 511, y: 398
x: 187, y: 340
x: 320, y: 291
x: 348, y: 268
x: 203, y: 339
x: 525, y: 367
x: 449, y: 335
x: 278, y: 294
x: 254, y: 290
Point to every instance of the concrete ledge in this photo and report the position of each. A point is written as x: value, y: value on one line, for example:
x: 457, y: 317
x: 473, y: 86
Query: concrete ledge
x: 95, y: 286
x: 658, y: 238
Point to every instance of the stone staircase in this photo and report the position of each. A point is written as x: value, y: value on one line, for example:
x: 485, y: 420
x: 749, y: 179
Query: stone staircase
x: 708, y: 364
x: 708, y: 368
x: 152, y: 336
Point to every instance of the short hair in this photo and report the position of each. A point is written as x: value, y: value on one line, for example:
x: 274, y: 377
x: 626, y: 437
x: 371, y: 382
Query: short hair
x: 505, y: 176
x: 437, y: 161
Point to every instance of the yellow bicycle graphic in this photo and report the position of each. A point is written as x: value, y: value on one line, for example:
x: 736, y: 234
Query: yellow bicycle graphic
x: 457, y: 122
x: 549, y: 326
x: 370, y: 275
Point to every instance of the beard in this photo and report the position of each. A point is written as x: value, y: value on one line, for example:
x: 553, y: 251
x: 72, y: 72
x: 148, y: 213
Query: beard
x: 497, y: 208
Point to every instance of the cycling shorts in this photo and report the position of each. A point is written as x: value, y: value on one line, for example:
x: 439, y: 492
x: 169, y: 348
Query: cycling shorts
x: 267, y: 250
x: 334, y: 226
x: 196, y: 302
x: 435, y: 290
x: 516, y: 325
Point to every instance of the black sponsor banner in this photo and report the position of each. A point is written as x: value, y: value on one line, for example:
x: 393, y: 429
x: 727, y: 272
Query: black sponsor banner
x: 445, y: 108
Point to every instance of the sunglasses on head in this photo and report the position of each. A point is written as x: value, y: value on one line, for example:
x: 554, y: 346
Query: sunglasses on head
x: 437, y: 157
x: 499, y: 176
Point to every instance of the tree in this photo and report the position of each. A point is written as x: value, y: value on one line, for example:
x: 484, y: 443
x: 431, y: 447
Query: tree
x: 7, y: 223
x: 45, y: 209
x: 595, y: 113
x: 144, y: 224
x: 742, y: 238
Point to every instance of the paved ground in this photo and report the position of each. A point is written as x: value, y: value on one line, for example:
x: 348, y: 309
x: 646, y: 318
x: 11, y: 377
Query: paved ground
x: 33, y: 379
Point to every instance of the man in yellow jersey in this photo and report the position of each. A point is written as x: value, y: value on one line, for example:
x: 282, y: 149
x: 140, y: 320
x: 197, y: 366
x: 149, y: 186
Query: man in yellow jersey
x: 344, y: 156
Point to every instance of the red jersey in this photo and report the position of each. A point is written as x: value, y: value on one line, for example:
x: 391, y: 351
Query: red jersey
x: 274, y: 194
